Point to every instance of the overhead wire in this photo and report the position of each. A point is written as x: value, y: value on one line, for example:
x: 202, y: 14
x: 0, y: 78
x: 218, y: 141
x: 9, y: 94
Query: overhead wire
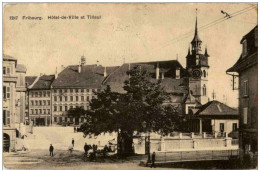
x: 186, y: 35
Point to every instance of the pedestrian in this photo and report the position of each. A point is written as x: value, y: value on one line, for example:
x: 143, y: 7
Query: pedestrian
x: 74, y: 129
x: 105, y: 150
x: 93, y: 147
x: 86, y: 148
x: 73, y: 142
x: 70, y: 148
x: 51, y: 150
x: 109, y: 149
x: 153, y: 160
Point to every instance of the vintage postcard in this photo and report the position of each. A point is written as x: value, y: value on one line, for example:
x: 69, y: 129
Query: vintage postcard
x: 130, y: 85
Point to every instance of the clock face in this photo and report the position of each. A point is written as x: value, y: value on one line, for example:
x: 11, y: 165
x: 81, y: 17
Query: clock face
x: 196, y: 73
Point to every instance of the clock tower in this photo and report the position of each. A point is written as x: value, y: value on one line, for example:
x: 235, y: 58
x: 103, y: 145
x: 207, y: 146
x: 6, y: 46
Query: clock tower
x: 197, y: 69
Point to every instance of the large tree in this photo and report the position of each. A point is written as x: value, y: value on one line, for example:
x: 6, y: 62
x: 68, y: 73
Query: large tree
x: 140, y: 109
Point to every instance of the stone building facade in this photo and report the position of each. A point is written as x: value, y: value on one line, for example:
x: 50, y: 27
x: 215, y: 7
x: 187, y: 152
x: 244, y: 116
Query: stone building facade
x: 74, y: 87
x: 13, y: 102
x: 247, y: 69
x: 40, y: 100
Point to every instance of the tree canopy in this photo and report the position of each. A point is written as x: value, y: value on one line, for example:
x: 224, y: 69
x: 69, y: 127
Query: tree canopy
x: 140, y: 109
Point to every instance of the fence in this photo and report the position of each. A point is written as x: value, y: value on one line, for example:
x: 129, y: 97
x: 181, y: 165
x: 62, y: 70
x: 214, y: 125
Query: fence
x: 195, y: 155
x: 184, y: 143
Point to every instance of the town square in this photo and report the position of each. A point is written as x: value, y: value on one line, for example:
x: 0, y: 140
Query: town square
x: 130, y: 85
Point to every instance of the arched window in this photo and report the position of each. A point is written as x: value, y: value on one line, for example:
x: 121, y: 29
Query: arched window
x: 204, y: 90
x: 204, y: 73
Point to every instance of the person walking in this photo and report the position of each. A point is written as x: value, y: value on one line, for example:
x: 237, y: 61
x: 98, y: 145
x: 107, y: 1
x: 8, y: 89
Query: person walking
x: 73, y: 142
x: 74, y: 129
x: 51, y: 150
x: 86, y: 148
x: 153, y: 160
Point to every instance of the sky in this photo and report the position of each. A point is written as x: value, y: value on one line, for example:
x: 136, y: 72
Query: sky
x: 128, y: 33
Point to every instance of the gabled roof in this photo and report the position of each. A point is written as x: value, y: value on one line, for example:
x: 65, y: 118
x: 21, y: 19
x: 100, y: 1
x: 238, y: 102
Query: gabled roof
x: 44, y: 82
x: 21, y: 68
x: 216, y: 108
x: 91, y: 76
x: 30, y: 79
x: 251, y: 58
x: 117, y: 78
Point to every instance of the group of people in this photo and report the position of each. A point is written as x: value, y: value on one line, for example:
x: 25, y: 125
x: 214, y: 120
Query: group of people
x: 87, y: 147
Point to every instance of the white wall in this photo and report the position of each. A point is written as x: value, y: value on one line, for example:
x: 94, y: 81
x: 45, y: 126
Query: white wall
x: 228, y: 124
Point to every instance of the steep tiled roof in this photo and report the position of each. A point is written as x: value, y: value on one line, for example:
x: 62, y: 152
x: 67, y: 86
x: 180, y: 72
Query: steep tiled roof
x: 91, y: 76
x: 119, y: 76
x: 30, y: 79
x: 214, y: 108
x: 44, y: 82
x: 21, y: 68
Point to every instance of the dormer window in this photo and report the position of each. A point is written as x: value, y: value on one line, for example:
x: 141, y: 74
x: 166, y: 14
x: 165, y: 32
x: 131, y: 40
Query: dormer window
x: 244, y: 52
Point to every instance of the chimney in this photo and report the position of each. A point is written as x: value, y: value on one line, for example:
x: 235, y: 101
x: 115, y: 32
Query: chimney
x: 105, y: 71
x: 157, y: 71
x: 178, y: 73
x: 79, y: 68
x: 56, y: 73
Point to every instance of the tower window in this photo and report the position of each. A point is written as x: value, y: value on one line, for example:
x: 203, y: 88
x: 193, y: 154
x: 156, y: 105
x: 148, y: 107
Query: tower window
x: 204, y: 90
x: 204, y: 73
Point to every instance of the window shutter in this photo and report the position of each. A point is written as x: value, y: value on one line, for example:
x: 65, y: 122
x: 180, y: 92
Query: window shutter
x: 8, y: 117
x: 8, y: 92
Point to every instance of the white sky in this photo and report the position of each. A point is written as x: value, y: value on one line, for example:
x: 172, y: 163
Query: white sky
x: 136, y: 32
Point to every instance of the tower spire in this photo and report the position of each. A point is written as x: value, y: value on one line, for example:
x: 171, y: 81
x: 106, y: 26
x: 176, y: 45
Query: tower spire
x: 196, y: 35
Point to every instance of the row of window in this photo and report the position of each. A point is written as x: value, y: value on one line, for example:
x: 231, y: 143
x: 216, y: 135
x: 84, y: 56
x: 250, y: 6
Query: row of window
x: 222, y: 127
x: 66, y: 119
x: 76, y: 90
x: 41, y: 94
x: 40, y: 111
x: 40, y: 102
x: 6, y: 70
x: 82, y: 98
x: 66, y: 108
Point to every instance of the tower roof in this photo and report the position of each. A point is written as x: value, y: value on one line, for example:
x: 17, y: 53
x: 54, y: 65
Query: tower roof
x: 196, y: 35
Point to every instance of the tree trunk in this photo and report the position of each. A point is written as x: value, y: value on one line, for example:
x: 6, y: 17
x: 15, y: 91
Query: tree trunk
x: 125, y: 143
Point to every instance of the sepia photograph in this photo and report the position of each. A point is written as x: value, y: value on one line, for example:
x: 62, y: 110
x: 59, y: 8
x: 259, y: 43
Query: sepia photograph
x: 130, y: 85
